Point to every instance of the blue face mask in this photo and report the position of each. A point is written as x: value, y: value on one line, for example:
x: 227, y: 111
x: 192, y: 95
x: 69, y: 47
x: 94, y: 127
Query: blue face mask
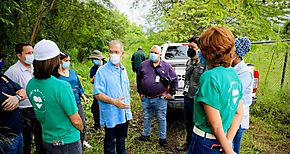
x: 65, y: 65
x: 96, y: 62
x: 201, y: 58
x: 153, y: 57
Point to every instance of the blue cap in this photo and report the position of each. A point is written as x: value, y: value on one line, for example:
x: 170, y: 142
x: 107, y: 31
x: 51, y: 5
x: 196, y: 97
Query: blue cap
x: 242, y: 45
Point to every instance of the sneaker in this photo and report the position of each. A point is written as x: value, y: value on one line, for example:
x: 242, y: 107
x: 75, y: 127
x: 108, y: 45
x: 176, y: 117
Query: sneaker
x: 163, y: 142
x: 143, y: 138
x: 181, y: 147
x: 86, y: 144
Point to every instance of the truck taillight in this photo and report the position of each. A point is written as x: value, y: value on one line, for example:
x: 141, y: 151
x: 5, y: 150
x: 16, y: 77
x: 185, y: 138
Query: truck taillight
x: 256, y: 81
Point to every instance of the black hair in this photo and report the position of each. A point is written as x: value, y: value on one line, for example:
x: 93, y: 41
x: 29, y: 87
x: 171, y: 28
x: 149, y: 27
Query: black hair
x: 194, y: 39
x: 19, y: 47
x: 63, y: 55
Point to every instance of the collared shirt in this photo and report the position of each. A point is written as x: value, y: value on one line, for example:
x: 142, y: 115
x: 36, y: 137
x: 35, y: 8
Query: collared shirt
x: 147, y: 83
x: 193, y: 72
x: 21, y: 75
x: 246, y: 76
x: 113, y: 82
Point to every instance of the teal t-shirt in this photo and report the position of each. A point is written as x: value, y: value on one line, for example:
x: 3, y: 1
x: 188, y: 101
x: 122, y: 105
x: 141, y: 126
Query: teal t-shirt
x: 53, y: 102
x: 221, y: 89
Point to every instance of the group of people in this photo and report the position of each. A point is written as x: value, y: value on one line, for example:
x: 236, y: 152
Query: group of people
x: 217, y: 92
x: 42, y: 91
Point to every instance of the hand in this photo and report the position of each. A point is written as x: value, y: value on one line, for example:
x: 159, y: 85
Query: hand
x: 11, y: 103
x: 120, y: 104
x: 86, y: 99
x: 142, y: 96
x: 167, y: 96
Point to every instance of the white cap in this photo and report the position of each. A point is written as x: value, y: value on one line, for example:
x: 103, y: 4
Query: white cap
x: 45, y: 49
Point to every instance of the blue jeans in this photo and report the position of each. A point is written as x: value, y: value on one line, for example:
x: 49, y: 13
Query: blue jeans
x: 70, y: 148
x: 13, y: 145
x: 237, y: 140
x: 159, y: 105
x: 202, y: 145
x: 116, y: 136
x: 188, y: 118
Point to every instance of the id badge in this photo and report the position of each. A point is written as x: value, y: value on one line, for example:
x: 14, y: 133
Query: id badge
x: 186, y: 88
x: 157, y: 79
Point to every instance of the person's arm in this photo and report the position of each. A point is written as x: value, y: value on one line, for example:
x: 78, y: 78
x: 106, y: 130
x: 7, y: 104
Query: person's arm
x: 236, y: 123
x: 85, y: 98
x: 132, y: 63
x: 143, y: 56
x: 117, y: 102
x: 67, y: 103
x: 21, y: 93
x: 92, y: 79
x: 174, y: 81
x: 12, y: 102
x: 77, y: 121
x: 215, y: 122
x: 92, y: 74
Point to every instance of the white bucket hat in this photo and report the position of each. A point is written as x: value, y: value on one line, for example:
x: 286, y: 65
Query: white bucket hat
x: 45, y: 49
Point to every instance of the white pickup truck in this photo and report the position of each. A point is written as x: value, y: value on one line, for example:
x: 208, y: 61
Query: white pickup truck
x: 176, y: 55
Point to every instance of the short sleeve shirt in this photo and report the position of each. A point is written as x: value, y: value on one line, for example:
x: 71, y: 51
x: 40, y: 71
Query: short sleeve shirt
x: 21, y: 75
x: 53, y: 102
x: 221, y: 89
x: 75, y: 83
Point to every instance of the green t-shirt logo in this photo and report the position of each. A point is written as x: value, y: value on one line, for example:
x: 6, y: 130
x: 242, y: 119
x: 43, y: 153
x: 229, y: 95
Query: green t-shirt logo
x: 235, y: 95
x: 38, y: 99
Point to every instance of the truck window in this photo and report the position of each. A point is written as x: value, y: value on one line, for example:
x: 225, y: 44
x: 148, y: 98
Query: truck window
x: 176, y: 52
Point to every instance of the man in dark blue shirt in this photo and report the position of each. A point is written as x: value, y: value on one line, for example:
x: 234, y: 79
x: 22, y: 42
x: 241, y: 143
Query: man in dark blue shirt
x: 98, y: 60
x: 156, y: 83
x: 11, y: 94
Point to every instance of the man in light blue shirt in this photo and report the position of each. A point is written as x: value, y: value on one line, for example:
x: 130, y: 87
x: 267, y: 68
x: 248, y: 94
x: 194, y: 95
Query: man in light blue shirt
x: 246, y: 76
x: 112, y: 90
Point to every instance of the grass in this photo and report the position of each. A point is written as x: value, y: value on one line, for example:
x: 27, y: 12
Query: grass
x: 270, y: 117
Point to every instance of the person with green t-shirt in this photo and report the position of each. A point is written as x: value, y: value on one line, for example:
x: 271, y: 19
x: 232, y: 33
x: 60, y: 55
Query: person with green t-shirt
x: 217, y: 107
x: 54, y: 103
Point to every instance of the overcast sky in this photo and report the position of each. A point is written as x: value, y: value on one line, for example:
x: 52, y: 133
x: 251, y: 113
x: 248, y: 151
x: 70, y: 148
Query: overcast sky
x: 134, y: 15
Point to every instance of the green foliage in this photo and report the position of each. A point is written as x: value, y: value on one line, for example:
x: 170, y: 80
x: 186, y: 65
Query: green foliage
x: 71, y: 24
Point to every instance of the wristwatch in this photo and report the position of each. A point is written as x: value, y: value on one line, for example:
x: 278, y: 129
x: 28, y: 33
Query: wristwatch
x: 18, y: 97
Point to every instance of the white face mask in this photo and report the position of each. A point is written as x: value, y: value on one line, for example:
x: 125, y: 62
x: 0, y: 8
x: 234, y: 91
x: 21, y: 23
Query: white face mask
x: 29, y: 59
x: 115, y: 59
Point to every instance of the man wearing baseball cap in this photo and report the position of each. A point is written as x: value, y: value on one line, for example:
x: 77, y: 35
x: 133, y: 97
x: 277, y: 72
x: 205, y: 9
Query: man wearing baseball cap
x: 246, y: 76
x: 98, y: 60
x: 53, y: 102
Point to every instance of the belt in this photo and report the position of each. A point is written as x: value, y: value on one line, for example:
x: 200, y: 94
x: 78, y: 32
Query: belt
x: 201, y: 133
x: 160, y: 95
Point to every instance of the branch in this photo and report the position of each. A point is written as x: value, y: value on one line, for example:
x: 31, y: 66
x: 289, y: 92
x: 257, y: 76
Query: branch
x: 38, y: 19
